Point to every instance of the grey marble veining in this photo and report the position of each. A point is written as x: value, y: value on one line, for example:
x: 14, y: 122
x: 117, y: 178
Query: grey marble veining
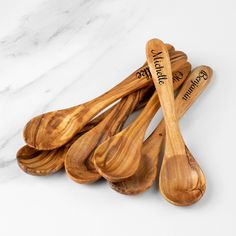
x: 49, y: 53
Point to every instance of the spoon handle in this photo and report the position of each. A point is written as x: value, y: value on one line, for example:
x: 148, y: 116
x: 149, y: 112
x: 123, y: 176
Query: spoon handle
x: 192, y: 88
x: 145, y: 95
x: 160, y: 67
x: 153, y: 105
x: 194, y: 85
x: 126, y: 106
x: 137, y: 80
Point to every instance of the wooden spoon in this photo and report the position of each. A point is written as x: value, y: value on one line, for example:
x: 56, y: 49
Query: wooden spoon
x: 181, y: 182
x: 78, y: 163
x: 147, y: 170
x: 46, y: 162
x: 54, y: 129
x: 41, y: 162
x: 38, y: 162
x: 119, y: 156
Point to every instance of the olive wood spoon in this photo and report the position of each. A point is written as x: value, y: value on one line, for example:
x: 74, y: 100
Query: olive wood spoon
x: 53, y: 129
x: 46, y: 162
x: 119, y: 156
x: 181, y: 182
x: 147, y: 170
x: 40, y: 163
x: 78, y: 162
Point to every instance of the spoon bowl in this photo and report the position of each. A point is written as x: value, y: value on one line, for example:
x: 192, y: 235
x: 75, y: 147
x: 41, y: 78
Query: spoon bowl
x: 183, y: 187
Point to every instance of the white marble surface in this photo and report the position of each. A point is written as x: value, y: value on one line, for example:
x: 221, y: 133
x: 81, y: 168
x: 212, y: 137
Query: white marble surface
x: 59, y: 53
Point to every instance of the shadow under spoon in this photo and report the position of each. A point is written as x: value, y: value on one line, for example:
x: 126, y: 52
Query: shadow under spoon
x: 54, y: 129
x: 119, y: 156
x: 147, y: 170
x: 181, y: 181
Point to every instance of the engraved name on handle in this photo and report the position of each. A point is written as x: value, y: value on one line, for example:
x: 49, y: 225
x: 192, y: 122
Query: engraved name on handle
x: 145, y: 72
x: 194, y: 83
x: 157, y: 61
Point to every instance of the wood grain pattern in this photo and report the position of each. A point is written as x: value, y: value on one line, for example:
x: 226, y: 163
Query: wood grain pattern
x: 181, y: 182
x: 118, y: 158
x: 147, y: 170
x: 41, y: 162
x: 53, y: 129
x: 78, y: 163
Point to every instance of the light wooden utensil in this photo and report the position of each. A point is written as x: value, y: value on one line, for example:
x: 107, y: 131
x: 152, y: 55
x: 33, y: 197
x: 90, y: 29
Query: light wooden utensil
x: 53, y: 129
x: 46, y: 162
x: 119, y: 156
x: 181, y: 182
x: 78, y: 163
x: 147, y: 170
x: 40, y: 163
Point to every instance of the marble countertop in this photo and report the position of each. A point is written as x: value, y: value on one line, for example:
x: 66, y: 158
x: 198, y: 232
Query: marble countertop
x: 59, y: 53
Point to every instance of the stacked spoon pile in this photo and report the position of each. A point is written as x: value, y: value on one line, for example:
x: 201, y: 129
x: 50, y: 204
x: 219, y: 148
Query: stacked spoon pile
x: 91, y: 144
